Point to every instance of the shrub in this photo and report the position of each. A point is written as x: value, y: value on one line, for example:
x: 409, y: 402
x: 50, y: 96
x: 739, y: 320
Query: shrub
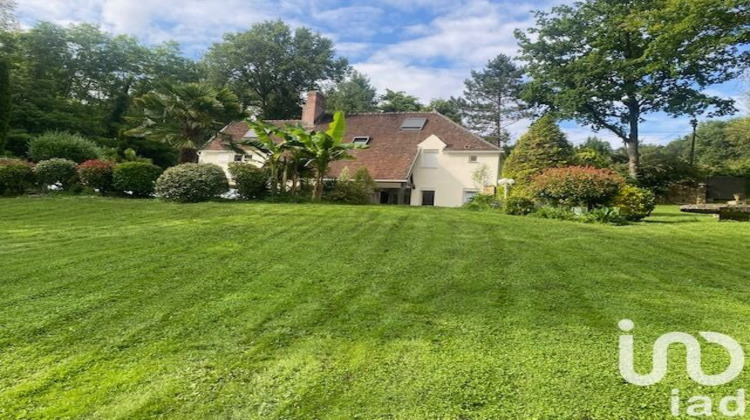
x: 136, y: 178
x: 635, y: 203
x: 518, y: 205
x: 251, y: 182
x: 577, y: 186
x: 16, y: 176
x: 556, y: 213
x: 483, y: 202
x: 96, y: 174
x: 64, y: 146
x: 358, y: 190
x: 56, y: 171
x: 192, y: 182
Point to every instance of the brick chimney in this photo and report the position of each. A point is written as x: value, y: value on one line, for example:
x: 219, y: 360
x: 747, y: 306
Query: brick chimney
x: 314, y: 108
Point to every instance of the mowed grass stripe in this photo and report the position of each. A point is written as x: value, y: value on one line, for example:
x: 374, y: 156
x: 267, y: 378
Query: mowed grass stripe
x: 136, y: 309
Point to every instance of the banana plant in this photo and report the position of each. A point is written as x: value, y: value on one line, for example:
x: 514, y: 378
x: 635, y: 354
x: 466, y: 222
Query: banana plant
x: 323, y: 147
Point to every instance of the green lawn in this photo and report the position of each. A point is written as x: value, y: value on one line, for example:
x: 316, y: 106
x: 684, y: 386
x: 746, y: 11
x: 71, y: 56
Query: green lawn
x: 131, y: 308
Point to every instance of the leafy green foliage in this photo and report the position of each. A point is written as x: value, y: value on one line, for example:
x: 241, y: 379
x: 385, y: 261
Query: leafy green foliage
x: 356, y: 190
x: 518, y: 205
x: 96, y: 174
x: 607, y: 63
x: 543, y: 146
x: 192, y: 183
x: 720, y: 146
x: 81, y: 79
x: 138, y: 179
x: 62, y: 145
x: 184, y: 116
x: 483, y: 202
x: 661, y: 169
x: 16, y: 176
x: 576, y: 186
x: 451, y: 108
x: 398, y: 101
x: 251, y: 182
x: 270, y: 66
x: 352, y: 95
x: 635, y: 203
x: 56, y: 171
x: 492, y: 99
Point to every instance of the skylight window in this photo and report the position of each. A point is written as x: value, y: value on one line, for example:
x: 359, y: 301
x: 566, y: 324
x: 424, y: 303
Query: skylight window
x: 413, y: 124
x: 363, y: 140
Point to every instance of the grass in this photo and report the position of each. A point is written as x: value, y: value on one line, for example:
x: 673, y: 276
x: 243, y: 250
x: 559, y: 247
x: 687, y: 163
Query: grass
x: 133, y: 309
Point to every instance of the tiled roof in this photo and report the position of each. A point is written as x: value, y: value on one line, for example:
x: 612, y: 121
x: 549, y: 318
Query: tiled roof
x: 391, y: 151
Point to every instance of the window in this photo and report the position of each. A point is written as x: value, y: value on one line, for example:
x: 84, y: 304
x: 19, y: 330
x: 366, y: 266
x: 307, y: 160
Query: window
x: 429, y: 158
x: 428, y: 198
x: 473, y: 159
x: 363, y: 140
x: 412, y: 124
x: 238, y: 158
x: 468, y: 195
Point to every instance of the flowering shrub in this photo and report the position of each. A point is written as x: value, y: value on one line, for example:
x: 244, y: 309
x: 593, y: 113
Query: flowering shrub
x: 136, y: 178
x: 574, y: 186
x: 62, y: 145
x: 192, y: 182
x: 635, y: 203
x: 60, y: 172
x: 96, y: 174
x: 16, y: 176
x: 251, y: 182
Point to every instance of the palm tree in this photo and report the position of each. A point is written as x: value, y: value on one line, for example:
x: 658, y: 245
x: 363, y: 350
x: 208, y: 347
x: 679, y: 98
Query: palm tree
x: 185, y: 116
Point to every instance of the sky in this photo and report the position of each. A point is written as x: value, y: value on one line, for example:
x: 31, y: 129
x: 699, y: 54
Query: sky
x: 426, y: 48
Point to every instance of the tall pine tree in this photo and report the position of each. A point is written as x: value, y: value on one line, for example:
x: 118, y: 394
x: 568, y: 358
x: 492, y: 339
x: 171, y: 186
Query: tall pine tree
x: 492, y: 100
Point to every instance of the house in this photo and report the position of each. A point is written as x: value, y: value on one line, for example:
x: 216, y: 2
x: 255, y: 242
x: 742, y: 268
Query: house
x: 416, y: 158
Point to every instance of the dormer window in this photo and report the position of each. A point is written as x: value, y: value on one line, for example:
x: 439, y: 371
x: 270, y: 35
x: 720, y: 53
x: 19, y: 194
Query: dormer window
x: 361, y: 140
x: 413, y: 124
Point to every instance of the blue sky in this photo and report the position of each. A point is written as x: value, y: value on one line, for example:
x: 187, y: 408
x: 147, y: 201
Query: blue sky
x: 424, y: 47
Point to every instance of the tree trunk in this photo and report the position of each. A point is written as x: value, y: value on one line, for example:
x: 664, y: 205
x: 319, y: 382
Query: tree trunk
x: 631, y: 144
x: 188, y: 155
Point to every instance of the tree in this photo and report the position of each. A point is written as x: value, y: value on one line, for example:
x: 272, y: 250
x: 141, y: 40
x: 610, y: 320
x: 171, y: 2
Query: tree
x: 270, y: 67
x: 609, y: 63
x: 492, y: 100
x: 399, y: 101
x: 353, y: 95
x: 450, y: 107
x: 8, y: 21
x: 184, y: 116
x: 720, y: 145
x: 5, y: 103
x: 543, y: 146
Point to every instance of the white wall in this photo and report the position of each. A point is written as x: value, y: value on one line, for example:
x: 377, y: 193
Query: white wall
x: 453, y: 174
x: 224, y: 157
